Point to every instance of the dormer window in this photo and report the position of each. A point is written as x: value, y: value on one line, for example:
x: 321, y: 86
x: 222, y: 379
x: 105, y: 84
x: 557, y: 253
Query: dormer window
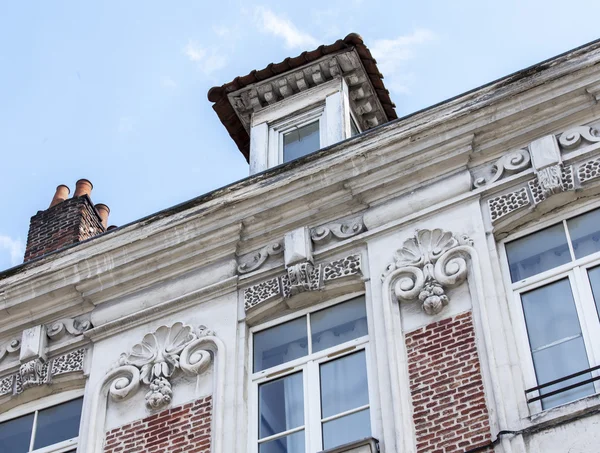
x: 294, y: 108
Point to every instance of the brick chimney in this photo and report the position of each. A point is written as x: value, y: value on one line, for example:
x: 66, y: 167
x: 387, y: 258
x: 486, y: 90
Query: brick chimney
x: 67, y: 221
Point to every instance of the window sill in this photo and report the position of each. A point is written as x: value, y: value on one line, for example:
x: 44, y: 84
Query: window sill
x: 566, y: 411
x: 367, y: 445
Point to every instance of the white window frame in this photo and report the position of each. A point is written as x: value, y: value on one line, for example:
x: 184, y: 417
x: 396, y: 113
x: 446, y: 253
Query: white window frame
x: 38, y: 405
x: 279, y: 129
x: 309, y: 366
x: 576, y: 272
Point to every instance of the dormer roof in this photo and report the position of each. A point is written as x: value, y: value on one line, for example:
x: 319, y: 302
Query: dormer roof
x: 350, y: 58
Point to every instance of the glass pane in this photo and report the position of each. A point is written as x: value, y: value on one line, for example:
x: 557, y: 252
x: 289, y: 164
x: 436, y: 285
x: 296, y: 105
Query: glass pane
x: 338, y: 324
x: 353, y: 128
x: 559, y: 361
x: 58, y: 423
x: 585, y: 233
x: 550, y: 314
x: 594, y: 275
x: 280, y: 344
x: 346, y: 429
x: 15, y: 434
x: 280, y: 405
x: 537, y: 252
x: 344, y: 384
x: 294, y: 443
x: 301, y: 141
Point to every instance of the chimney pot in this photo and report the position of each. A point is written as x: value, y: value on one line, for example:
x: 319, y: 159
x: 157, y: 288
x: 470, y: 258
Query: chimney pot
x: 103, y: 212
x: 61, y: 194
x: 83, y: 187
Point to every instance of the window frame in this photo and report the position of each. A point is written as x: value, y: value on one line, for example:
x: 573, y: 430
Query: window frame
x: 576, y: 272
x: 278, y: 129
x: 45, y: 403
x: 309, y: 365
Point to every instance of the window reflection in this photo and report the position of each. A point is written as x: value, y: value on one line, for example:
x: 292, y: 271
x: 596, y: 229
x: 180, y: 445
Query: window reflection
x: 585, y: 233
x: 538, y: 252
x: 301, y: 141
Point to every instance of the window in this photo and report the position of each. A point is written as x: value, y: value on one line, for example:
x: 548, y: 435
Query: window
x: 310, y: 381
x: 53, y: 429
x: 301, y: 141
x: 555, y: 276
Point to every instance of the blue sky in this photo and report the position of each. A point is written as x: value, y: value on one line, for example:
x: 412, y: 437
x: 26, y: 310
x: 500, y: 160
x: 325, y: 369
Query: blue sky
x: 115, y: 91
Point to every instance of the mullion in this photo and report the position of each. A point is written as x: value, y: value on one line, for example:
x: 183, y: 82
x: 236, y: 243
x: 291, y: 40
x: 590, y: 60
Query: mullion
x: 33, y: 431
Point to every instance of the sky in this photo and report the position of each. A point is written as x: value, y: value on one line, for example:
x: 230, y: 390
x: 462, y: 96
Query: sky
x: 115, y: 90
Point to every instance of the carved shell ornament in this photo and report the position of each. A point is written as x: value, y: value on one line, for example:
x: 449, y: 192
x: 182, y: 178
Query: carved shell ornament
x: 427, y: 264
x: 157, y: 358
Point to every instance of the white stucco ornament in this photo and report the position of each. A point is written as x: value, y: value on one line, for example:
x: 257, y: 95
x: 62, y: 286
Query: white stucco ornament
x: 426, y: 265
x: 156, y: 358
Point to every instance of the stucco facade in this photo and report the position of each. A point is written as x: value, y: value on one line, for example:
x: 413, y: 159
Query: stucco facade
x: 412, y: 214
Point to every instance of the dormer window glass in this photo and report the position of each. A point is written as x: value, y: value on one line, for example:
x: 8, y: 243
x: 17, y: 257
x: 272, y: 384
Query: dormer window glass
x: 301, y: 141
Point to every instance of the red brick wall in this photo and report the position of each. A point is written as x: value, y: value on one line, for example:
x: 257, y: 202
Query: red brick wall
x: 183, y: 429
x: 67, y: 223
x: 449, y: 408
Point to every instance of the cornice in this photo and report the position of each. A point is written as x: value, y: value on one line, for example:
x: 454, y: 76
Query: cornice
x: 348, y: 177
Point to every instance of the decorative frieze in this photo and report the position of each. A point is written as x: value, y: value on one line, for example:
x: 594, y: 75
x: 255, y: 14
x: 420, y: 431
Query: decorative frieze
x: 339, y: 230
x: 157, y: 358
x: 426, y: 265
x: 260, y: 257
x: 509, y: 164
x: 589, y: 171
x: 12, y: 348
x: 300, y: 278
x: 508, y: 203
x: 73, y: 327
x: 572, y: 138
x: 36, y: 372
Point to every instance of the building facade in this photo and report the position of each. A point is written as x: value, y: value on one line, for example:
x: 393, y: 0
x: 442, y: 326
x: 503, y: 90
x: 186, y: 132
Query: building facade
x: 422, y: 284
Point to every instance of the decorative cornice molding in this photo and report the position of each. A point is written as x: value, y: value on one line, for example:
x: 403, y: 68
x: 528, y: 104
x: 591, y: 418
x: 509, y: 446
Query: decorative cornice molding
x: 426, y: 265
x: 339, y: 230
x: 509, y: 164
x: 260, y: 257
x: 363, y: 100
x: 158, y: 357
x: 38, y: 372
x: 300, y: 278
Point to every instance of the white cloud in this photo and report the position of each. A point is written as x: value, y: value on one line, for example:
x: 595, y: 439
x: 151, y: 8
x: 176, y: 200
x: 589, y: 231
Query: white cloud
x: 269, y: 22
x: 221, y: 31
x: 168, y: 82
x: 194, y: 52
x: 208, y: 63
x: 391, y: 54
x: 14, y: 247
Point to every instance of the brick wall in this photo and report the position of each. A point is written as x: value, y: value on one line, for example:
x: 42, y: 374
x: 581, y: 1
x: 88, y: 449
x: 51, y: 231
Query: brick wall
x: 183, y: 429
x: 67, y: 223
x: 449, y: 408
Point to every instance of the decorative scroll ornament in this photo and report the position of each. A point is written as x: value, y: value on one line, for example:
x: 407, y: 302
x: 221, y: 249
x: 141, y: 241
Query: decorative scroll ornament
x: 428, y: 263
x: 507, y: 165
x: 156, y: 359
x: 10, y: 349
x: 324, y: 234
x: 573, y: 137
x: 261, y: 256
x: 74, y: 327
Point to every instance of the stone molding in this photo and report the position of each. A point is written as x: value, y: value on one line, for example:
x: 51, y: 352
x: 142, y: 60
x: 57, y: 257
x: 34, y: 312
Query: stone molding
x: 259, y: 258
x: 339, y: 230
x: 37, y: 372
x: 299, y: 278
x: 160, y: 354
x: 427, y: 264
x: 552, y: 176
x: 520, y: 160
x: 363, y: 100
